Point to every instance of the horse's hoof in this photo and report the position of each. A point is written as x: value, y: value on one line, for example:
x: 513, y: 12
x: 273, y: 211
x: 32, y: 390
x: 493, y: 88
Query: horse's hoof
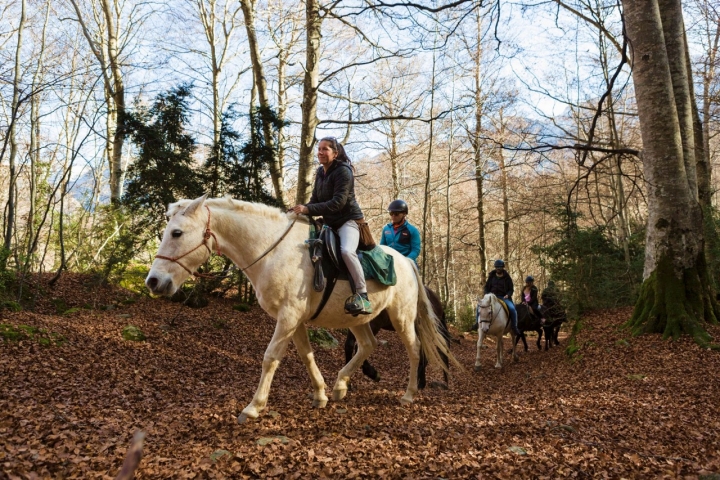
x: 498, y: 366
x: 242, y: 418
x: 406, y: 401
x: 376, y: 378
x: 319, y: 403
x: 516, y: 358
x: 339, y: 395
x: 477, y: 368
x: 440, y: 385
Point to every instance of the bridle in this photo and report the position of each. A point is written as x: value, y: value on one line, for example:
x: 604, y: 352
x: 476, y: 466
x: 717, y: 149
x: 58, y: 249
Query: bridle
x: 206, y: 236
x: 492, y: 316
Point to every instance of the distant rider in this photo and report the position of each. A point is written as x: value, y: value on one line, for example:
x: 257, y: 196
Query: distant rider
x: 529, y: 297
x: 500, y: 284
x: 401, y: 234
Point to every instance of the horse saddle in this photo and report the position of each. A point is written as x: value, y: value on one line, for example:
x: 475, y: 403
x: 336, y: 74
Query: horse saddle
x: 505, y: 307
x: 329, y: 267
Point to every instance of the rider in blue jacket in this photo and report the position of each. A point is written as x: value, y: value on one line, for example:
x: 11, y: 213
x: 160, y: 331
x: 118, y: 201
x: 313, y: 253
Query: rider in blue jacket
x: 400, y: 234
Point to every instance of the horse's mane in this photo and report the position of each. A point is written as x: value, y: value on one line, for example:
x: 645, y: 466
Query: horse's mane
x: 233, y: 205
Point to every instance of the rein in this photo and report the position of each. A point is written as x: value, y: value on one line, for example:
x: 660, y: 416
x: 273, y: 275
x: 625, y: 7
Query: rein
x: 209, y: 233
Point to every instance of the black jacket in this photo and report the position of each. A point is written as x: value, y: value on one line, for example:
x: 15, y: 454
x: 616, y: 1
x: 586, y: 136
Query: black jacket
x: 500, y: 286
x: 333, y: 195
x: 533, y: 296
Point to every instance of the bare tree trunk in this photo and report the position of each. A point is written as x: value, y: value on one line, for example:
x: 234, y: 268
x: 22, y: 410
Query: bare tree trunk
x: 117, y: 107
x: 394, y: 166
x: 704, y: 166
x: 477, y: 150
x: 674, y: 33
x: 309, y: 103
x: 276, y: 168
x: 15, y: 111
x: 505, y: 204
x: 675, y: 297
x: 35, y: 149
x: 426, y: 191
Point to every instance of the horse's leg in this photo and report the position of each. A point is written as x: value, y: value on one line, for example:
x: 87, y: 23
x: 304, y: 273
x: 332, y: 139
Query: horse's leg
x: 273, y: 354
x: 524, y: 340
x: 514, y: 355
x: 539, y: 332
x: 412, y: 345
x: 366, y: 343
x: 350, y: 343
x: 376, y: 325
x: 499, y: 349
x: 481, y: 335
x: 302, y: 343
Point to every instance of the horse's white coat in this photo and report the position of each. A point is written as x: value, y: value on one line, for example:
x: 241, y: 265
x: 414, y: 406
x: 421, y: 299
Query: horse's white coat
x: 283, y: 284
x: 493, y: 321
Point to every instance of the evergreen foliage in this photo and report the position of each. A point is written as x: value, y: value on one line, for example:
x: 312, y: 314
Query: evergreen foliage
x: 164, y: 169
x: 589, y: 268
x: 240, y: 170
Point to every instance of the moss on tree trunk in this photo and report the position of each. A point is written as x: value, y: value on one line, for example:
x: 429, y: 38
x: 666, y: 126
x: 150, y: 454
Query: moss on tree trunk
x: 673, y: 306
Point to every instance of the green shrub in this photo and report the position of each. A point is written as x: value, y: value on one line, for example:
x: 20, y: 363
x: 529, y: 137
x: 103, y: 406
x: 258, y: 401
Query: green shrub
x: 133, y: 334
x: 12, y: 333
x: 591, y: 271
x: 465, y: 318
x: 12, y: 305
x: 242, y: 307
x: 322, y: 337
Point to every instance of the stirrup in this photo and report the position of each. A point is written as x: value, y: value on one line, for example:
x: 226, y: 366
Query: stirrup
x: 354, y: 304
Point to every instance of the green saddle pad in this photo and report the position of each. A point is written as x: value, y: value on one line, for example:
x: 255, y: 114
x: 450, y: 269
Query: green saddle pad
x: 378, y: 265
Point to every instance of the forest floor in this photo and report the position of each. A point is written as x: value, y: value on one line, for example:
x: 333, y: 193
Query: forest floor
x: 73, y: 392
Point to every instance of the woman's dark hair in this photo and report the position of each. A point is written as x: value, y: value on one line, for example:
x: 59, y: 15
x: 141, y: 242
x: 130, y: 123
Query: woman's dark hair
x: 338, y: 148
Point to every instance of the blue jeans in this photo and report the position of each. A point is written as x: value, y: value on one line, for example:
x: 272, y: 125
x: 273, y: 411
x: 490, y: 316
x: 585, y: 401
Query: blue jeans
x: 513, y: 312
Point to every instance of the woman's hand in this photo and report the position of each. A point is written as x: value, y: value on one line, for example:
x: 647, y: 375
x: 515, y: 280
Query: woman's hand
x: 300, y: 209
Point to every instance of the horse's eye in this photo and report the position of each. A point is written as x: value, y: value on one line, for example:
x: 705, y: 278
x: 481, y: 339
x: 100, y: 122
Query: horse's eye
x: 176, y: 233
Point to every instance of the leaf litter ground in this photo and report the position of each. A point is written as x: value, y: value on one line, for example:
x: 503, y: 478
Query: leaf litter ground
x: 621, y: 407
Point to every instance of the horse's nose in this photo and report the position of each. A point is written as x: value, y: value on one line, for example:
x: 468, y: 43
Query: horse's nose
x: 151, y: 283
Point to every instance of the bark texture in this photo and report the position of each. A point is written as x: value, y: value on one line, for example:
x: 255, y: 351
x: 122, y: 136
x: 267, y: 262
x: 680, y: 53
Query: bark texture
x: 309, y: 103
x: 276, y: 168
x: 675, y: 296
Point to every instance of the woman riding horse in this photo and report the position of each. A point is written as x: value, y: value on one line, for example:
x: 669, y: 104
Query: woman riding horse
x: 529, y: 297
x: 333, y: 197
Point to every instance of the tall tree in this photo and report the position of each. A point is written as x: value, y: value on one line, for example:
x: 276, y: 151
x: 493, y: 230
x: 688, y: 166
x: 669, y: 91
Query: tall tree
x: 11, y: 136
x: 313, y: 23
x: 676, y: 296
x: 266, y: 114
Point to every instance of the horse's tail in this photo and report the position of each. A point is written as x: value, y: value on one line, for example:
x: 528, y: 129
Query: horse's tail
x: 432, y: 340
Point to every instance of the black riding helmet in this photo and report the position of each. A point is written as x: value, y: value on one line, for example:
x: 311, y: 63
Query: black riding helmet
x: 398, y: 206
x: 529, y: 278
x: 499, y: 264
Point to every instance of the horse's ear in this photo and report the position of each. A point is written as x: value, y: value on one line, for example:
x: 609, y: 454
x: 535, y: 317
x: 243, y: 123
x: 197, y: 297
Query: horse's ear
x: 194, y: 205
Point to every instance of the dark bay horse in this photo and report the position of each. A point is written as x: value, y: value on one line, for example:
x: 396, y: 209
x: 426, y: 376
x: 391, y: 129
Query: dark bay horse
x: 527, y: 322
x: 382, y: 322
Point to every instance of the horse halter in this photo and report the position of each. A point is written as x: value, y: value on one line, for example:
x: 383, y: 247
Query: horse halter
x: 208, y: 233
x: 492, y: 317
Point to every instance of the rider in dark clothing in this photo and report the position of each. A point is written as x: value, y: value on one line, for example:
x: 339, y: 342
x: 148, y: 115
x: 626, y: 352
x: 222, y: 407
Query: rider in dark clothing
x: 550, y: 303
x: 500, y: 284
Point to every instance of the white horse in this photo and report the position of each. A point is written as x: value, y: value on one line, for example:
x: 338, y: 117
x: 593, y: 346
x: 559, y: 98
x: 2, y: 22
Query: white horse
x: 268, y: 245
x: 493, y: 321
